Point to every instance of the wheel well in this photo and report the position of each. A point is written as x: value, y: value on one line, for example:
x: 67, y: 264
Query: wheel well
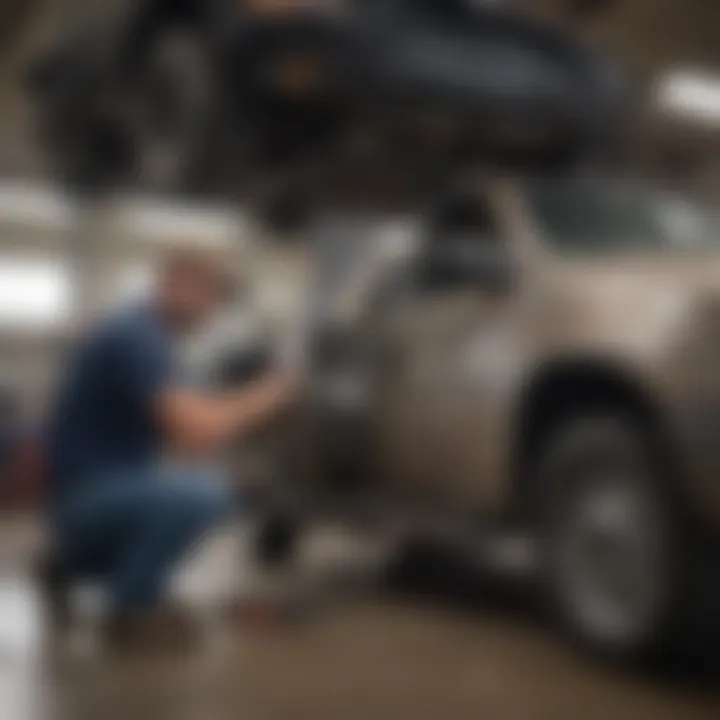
x: 569, y: 389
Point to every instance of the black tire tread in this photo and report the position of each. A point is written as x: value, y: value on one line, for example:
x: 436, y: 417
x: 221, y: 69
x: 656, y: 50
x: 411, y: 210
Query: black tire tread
x: 622, y: 434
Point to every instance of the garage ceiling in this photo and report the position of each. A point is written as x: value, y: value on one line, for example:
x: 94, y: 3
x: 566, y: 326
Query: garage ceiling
x: 652, y: 40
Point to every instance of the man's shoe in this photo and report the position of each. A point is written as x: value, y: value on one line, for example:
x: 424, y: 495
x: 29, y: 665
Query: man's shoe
x: 54, y: 585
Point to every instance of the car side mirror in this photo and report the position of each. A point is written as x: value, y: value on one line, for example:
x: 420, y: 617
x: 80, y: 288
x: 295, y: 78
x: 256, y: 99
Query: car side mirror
x: 485, y: 266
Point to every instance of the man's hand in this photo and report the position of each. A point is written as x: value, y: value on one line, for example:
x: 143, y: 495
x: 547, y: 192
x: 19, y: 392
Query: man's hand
x: 194, y: 422
x: 280, y: 388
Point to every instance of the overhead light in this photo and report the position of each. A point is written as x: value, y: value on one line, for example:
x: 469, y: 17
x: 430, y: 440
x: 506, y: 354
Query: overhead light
x: 694, y: 95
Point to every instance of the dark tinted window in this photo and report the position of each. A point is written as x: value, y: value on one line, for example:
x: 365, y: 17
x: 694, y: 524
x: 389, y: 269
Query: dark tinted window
x: 596, y: 216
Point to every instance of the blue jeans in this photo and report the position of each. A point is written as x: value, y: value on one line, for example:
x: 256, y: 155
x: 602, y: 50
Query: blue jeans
x: 128, y: 530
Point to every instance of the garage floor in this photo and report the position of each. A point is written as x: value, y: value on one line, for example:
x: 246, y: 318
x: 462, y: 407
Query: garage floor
x: 384, y: 656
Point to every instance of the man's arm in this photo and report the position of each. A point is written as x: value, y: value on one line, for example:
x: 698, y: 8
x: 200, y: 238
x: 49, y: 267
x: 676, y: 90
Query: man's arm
x: 193, y: 422
x: 190, y: 420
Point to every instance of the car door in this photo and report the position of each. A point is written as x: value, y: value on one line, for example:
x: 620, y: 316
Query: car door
x: 451, y: 356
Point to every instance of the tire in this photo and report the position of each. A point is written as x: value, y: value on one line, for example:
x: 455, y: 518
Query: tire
x: 613, y: 539
x: 83, y: 140
x: 177, y: 114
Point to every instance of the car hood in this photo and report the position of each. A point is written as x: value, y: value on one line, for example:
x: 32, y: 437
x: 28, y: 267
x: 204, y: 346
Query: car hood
x: 640, y: 301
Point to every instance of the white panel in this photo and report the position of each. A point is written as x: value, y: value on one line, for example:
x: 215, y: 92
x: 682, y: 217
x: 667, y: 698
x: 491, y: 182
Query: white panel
x: 35, y: 293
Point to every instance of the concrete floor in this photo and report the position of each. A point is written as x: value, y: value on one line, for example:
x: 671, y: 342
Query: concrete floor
x: 373, y: 657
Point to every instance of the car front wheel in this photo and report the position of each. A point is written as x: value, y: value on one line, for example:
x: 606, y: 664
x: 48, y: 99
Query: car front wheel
x: 612, y: 546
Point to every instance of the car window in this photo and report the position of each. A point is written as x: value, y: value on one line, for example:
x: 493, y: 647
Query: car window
x: 578, y: 216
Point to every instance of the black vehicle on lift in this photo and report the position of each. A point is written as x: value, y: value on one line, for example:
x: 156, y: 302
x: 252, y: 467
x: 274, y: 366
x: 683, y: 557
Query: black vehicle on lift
x: 296, y: 100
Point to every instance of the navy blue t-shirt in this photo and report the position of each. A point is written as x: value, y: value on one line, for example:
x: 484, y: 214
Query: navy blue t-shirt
x: 103, y: 421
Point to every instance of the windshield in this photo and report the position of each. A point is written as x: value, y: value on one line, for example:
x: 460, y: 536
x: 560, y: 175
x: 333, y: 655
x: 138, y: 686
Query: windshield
x: 581, y: 216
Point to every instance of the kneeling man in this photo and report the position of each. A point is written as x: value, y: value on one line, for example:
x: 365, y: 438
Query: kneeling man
x: 119, y: 512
